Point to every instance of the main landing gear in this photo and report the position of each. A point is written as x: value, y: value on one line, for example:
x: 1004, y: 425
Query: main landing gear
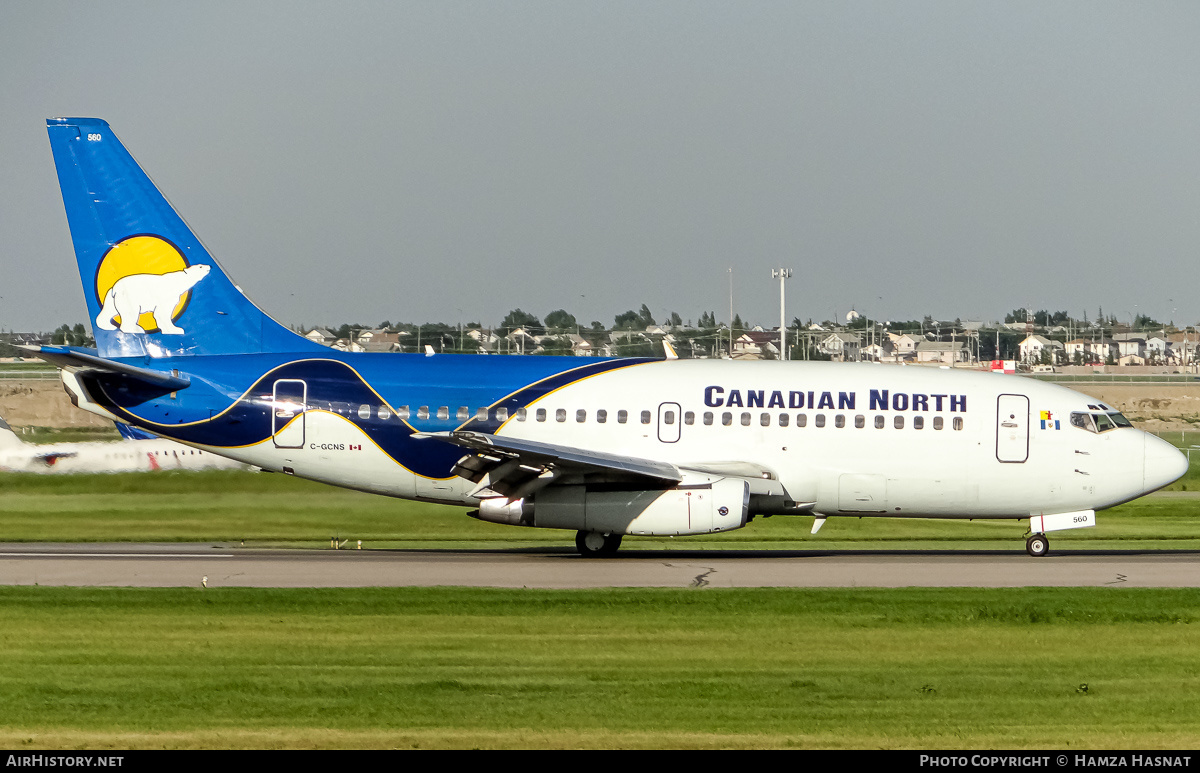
x: 593, y: 544
x: 1037, y: 545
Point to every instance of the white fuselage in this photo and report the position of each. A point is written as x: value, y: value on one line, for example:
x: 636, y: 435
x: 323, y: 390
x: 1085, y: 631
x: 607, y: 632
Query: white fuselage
x: 109, y: 456
x: 826, y: 438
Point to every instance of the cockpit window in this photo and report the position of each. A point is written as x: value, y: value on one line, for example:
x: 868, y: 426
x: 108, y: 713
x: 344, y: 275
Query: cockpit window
x: 1099, y: 422
x: 1083, y: 421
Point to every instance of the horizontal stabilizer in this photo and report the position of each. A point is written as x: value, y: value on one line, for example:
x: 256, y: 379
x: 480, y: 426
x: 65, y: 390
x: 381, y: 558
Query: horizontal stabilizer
x: 75, y: 359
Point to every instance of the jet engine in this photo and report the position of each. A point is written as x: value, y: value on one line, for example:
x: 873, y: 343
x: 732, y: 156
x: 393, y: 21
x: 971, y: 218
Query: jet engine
x: 689, y: 508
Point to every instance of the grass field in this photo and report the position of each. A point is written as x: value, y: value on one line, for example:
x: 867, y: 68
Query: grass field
x: 484, y: 668
x: 962, y: 668
x: 264, y: 509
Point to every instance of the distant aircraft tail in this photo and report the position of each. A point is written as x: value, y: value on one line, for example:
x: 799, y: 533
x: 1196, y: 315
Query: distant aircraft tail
x: 152, y: 289
x: 8, y: 438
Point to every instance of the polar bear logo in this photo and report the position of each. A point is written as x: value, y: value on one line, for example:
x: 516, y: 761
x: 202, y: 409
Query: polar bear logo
x: 154, y: 294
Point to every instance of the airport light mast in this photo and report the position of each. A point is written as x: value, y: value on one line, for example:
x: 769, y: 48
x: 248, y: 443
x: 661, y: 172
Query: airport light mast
x: 782, y: 275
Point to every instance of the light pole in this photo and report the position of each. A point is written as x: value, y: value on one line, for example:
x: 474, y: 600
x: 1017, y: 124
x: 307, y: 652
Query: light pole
x: 782, y: 274
x: 731, y: 312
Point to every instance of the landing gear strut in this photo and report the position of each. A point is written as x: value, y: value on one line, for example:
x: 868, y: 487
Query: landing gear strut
x: 1037, y: 545
x: 593, y: 544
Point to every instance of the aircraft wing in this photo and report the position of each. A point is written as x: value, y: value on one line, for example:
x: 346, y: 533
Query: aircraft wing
x: 515, y: 468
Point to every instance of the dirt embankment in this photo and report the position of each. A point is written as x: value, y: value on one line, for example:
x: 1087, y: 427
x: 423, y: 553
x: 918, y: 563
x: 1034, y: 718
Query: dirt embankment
x: 43, y: 403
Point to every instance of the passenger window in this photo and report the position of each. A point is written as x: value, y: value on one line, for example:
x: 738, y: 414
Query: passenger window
x: 937, y: 422
x: 481, y: 414
x: 668, y: 417
x: 783, y: 419
x: 463, y: 413
x: 384, y: 413
x: 402, y: 412
x: 560, y: 414
x: 601, y: 416
x: 879, y: 422
x: 501, y: 414
x: 860, y: 421
x: 839, y: 421
x: 820, y: 420
x: 364, y: 412
x: 422, y: 412
x: 898, y: 422
x: 918, y: 422
x: 541, y: 414
x: 765, y: 419
x: 958, y: 422
x: 745, y: 419
x: 645, y: 417
x: 726, y: 419
x: 801, y: 419
x: 520, y: 414
x: 689, y: 418
x: 708, y: 418
x: 580, y: 416
x: 443, y: 412
x: 622, y: 417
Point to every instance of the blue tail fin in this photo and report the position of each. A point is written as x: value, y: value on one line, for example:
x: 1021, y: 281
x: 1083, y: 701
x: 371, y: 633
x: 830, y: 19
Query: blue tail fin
x: 130, y: 432
x: 151, y: 287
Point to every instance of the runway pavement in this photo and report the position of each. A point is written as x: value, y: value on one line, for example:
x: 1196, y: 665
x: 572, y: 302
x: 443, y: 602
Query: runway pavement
x: 179, y: 565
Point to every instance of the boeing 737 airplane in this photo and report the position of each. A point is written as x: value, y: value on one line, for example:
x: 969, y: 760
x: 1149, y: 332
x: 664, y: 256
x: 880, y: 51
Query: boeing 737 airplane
x: 133, y: 454
x: 602, y: 447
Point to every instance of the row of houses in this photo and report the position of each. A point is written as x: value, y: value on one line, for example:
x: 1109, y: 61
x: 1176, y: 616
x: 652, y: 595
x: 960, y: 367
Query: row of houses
x: 841, y: 346
x: 752, y: 345
x: 1120, y: 349
x: 479, y: 341
x: 845, y: 346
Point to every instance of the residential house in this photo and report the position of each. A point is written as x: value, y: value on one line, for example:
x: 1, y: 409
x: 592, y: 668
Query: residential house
x: 841, y: 346
x: 320, y: 336
x: 485, y: 341
x: 945, y: 352
x: 884, y: 351
x: 380, y: 340
x: 1033, y: 346
x: 1088, y: 352
x: 756, y: 345
x: 904, y: 345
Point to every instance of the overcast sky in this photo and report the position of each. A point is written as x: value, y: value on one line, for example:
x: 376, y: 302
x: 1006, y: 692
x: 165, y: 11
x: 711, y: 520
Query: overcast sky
x: 431, y: 161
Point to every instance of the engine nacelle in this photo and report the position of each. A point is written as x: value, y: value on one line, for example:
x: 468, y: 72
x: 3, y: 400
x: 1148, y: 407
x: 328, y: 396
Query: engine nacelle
x: 700, y: 507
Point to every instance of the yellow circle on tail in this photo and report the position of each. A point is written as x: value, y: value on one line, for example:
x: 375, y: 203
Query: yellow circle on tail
x: 140, y: 255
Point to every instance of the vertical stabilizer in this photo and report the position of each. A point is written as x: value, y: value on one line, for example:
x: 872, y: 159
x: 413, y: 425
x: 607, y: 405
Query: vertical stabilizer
x: 152, y: 289
x: 8, y: 438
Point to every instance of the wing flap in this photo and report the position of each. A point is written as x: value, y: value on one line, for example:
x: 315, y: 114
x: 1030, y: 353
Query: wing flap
x: 513, y: 467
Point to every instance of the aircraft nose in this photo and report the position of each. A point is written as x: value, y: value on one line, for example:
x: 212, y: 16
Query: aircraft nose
x: 1164, y: 464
